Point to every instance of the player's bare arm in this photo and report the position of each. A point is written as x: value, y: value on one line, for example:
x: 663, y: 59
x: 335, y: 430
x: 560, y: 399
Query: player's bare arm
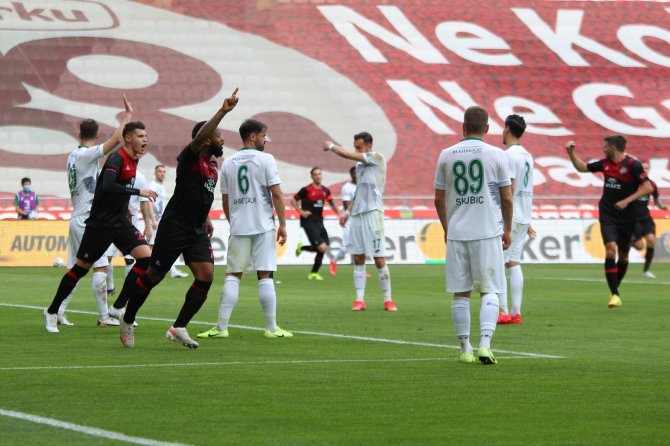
x: 298, y: 208
x: 226, y: 209
x: 507, y: 210
x: 532, y: 234
x: 343, y: 153
x: 334, y: 207
x: 278, y: 202
x: 146, y: 209
x: 148, y: 193
x: 644, y: 189
x: 441, y: 208
x: 209, y: 227
x: 344, y: 216
x: 207, y: 130
x: 576, y: 161
x: 113, y: 142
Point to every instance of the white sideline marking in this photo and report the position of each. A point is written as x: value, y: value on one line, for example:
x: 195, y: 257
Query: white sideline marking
x: 315, y: 333
x: 235, y: 363
x: 84, y: 429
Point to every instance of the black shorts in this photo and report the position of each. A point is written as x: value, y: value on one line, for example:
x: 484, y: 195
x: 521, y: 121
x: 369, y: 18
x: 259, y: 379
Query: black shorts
x: 616, y: 228
x: 316, y: 233
x: 644, y: 226
x: 96, y: 240
x: 172, y: 242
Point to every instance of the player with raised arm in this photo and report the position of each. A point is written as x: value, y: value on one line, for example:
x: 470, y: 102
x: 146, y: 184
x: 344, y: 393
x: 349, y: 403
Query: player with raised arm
x: 645, y: 228
x: 474, y: 204
x: 185, y: 229
x: 625, y: 182
x: 82, y: 173
x: 108, y: 221
x: 367, y: 217
x: 521, y: 176
x: 309, y: 202
x: 251, y: 188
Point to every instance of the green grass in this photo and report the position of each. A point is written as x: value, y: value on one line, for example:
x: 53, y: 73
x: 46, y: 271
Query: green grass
x: 610, y: 385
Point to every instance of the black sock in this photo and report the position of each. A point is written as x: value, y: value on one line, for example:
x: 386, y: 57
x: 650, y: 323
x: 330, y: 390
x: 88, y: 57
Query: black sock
x: 622, y: 267
x: 318, y: 260
x: 130, y: 282
x: 309, y: 248
x: 612, y: 275
x: 195, y: 297
x: 137, y: 294
x: 648, y: 257
x: 67, y: 284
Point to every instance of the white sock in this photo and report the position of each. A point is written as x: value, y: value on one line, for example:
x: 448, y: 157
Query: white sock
x: 516, y: 287
x: 99, y: 285
x: 129, y: 267
x: 502, y: 299
x: 229, y: 296
x: 460, y: 316
x: 110, y: 276
x: 268, y: 300
x: 66, y: 302
x: 359, y: 281
x: 173, y: 271
x: 385, y: 282
x: 488, y: 317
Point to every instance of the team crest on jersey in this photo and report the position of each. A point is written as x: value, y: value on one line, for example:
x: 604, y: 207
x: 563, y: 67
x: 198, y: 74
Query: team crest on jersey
x: 210, y: 184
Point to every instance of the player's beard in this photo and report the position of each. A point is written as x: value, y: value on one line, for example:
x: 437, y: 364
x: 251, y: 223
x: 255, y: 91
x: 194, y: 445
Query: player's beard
x: 216, y: 150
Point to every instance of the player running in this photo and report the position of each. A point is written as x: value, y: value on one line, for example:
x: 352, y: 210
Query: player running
x: 625, y: 182
x: 645, y: 228
x: 311, y: 199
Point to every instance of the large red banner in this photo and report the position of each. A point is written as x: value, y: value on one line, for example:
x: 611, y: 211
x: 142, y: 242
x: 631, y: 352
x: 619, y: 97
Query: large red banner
x: 316, y: 70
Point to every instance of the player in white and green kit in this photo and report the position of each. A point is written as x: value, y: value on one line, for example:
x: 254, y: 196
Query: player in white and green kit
x: 251, y: 191
x: 474, y: 203
x: 521, y: 175
x: 366, y: 234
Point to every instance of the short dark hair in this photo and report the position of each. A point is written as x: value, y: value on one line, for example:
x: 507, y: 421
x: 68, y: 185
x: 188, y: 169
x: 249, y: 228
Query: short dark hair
x: 475, y: 120
x: 196, y: 128
x: 249, y: 127
x: 88, y: 129
x: 132, y: 126
x: 311, y: 172
x: 365, y: 136
x: 516, y: 125
x: 158, y: 166
x: 618, y: 141
x: 25, y: 180
x: 352, y: 170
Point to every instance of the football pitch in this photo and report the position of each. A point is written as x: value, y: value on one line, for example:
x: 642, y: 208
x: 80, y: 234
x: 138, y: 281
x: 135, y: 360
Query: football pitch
x: 575, y: 372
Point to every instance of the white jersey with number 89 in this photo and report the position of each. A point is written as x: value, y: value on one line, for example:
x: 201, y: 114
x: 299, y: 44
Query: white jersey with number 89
x: 471, y: 174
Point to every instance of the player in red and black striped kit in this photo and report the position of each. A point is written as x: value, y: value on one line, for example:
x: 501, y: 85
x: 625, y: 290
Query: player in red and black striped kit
x: 625, y: 182
x: 184, y: 229
x: 312, y: 198
x: 645, y: 228
x: 108, y: 221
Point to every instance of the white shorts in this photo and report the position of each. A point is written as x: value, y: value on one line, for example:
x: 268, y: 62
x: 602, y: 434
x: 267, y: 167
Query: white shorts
x: 513, y: 253
x: 256, y: 252
x: 366, y: 234
x: 75, y: 233
x: 475, y: 265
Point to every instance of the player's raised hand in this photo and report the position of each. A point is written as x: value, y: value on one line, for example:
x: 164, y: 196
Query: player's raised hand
x: 231, y: 102
x: 127, y: 105
x: 570, y: 146
x: 148, y: 193
x: 328, y: 145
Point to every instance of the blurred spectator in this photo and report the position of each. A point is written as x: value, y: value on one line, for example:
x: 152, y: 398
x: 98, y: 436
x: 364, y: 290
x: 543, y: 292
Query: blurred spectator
x: 26, y: 201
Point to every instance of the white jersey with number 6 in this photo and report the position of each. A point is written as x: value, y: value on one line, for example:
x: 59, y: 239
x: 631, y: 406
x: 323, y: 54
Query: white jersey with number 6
x: 471, y: 173
x: 246, y: 178
x: 521, y: 171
